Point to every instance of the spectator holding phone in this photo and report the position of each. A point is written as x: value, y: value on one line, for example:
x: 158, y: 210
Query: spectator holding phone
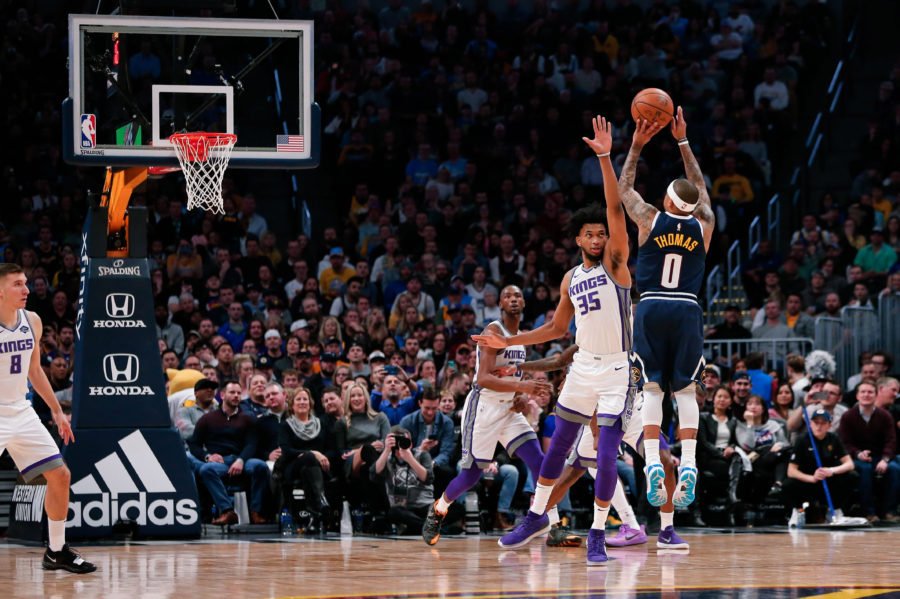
x: 828, y: 398
x: 432, y: 432
x: 388, y: 396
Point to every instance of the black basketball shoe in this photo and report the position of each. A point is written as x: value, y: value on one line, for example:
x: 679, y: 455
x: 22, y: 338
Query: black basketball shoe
x: 431, y: 530
x: 67, y: 559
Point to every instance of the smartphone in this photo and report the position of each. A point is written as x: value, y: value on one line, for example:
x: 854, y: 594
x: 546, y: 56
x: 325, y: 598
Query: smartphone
x: 819, y: 396
x: 391, y: 369
x: 452, y: 364
x: 433, y: 436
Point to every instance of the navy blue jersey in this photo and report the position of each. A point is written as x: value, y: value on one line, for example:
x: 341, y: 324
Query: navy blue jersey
x: 673, y: 259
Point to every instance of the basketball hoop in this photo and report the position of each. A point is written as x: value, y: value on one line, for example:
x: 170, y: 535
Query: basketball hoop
x: 203, y: 158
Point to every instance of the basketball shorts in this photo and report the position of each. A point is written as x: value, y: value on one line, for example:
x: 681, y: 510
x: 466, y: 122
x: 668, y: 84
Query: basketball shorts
x: 486, y: 423
x: 28, y: 442
x: 595, y: 382
x: 584, y: 454
x: 668, y: 342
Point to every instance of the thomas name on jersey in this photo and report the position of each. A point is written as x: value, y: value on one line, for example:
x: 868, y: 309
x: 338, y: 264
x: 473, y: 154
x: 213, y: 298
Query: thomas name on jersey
x: 16, y: 346
x: 678, y: 239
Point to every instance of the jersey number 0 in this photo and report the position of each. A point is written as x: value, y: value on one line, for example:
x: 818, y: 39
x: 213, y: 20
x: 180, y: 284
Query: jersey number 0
x: 671, y: 272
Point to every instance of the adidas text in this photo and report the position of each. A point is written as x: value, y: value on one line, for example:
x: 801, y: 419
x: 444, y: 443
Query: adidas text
x: 121, y: 390
x: 106, y: 511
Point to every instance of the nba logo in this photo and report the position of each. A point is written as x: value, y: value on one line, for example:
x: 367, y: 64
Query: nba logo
x: 88, y: 131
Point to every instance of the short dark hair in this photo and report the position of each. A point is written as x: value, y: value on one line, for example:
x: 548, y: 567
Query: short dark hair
x: 754, y: 361
x: 686, y: 191
x: 584, y: 216
x: 9, y: 268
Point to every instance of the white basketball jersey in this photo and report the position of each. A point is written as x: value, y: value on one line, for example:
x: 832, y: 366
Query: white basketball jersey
x: 602, y: 311
x: 16, y: 346
x: 512, y: 355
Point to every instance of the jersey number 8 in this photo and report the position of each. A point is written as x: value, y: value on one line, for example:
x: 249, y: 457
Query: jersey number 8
x: 15, y: 364
x: 671, y: 272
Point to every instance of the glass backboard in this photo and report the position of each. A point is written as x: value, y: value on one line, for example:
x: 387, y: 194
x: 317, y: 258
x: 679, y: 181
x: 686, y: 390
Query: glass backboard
x: 134, y: 81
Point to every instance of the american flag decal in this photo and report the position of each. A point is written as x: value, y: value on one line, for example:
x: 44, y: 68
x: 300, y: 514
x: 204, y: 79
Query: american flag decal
x: 289, y: 143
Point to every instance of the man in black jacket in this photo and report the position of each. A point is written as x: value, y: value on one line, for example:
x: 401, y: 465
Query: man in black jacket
x: 226, y: 440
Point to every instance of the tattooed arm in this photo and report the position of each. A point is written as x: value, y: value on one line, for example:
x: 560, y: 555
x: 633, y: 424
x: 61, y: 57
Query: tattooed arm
x: 640, y: 211
x: 704, y: 212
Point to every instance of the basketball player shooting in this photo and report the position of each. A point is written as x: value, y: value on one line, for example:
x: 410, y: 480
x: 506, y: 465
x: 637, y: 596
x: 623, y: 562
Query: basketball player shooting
x: 21, y: 432
x: 668, y: 321
x: 596, y: 293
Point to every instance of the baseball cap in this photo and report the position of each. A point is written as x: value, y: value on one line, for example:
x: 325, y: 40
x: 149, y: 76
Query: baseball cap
x: 742, y: 376
x: 265, y: 362
x: 193, y: 332
x: 376, y: 355
x: 713, y: 368
x: 304, y: 353
x: 299, y: 324
x: 275, y: 303
x: 877, y: 229
x: 272, y: 334
x: 456, y: 278
x: 453, y: 308
x: 205, y: 384
x: 250, y: 287
x: 329, y: 356
x: 331, y: 341
x: 338, y: 251
x: 821, y: 413
x: 468, y: 309
x: 816, y: 379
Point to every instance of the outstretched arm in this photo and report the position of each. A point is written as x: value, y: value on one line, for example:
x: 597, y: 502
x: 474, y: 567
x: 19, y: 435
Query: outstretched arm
x: 554, y: 362
x: 549, y: 331
x: 704, y: 212
x: 615, y: 257
x: 640, y: 211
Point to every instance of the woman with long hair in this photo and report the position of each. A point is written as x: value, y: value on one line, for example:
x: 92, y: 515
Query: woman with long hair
x: 256, y: 332
x: 426, y: 373
x: 376, y: 327
x: 360, y: 431
x: 782, y: 403
x: 330, y: 329
x: 397, y: 311
x: 243, y: 366
x: 406, y: 327
x: 438, y: 347
x: 716, y: 447
x: 764, y: 451
x: 307, y: 452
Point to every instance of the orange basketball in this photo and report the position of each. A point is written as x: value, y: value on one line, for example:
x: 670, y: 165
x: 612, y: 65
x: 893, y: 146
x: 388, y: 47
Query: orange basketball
x: 653, y: 104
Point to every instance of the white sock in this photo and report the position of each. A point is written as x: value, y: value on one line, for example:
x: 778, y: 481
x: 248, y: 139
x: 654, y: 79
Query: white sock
x: 553, y: 514
x: 651, y: 451
x: 652, y: 410
x: 689, y: 451
x: 600, y: 515
x: 541, y: 497
x: 442, y: 505
x: 57, y: 533
x: 623, y: 508
x: 666, y: 519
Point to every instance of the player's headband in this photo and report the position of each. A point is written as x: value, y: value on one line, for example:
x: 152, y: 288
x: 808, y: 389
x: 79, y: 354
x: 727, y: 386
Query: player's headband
x: 679, y: 203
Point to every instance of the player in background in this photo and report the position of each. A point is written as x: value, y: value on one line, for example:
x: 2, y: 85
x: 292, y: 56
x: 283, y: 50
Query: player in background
x: 668, y: 321
x: 30, y: 445
x: 596, y: 293
x: 584, y: 457
x: 491, y: 413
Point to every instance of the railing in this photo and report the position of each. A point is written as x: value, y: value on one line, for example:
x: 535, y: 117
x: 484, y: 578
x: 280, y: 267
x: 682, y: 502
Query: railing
x: 889, y: 319
x: 753, y: 236
x: 773, y: 218
x: 734, y: 270
x: 713, y: 292
x: 857, y: 330
x: 831, y: 336
x: 723, y: 351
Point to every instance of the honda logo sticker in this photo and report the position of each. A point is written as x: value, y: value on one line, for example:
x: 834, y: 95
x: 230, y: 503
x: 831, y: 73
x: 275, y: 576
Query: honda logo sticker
x: 120, y: 309
x: 121, y: 368
x: 120, y: 305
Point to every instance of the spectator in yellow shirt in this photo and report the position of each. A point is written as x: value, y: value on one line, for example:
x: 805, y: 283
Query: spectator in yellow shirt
x: 335, y: 276
x: 741, y: 192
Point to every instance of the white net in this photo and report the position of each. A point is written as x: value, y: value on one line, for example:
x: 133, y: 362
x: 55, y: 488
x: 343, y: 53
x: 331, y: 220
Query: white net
x: 203, y: 158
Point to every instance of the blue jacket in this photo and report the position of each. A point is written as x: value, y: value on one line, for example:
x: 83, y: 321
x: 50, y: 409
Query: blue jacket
x: 395, y: 415
x: 762, y: 385
x: 442, y: 429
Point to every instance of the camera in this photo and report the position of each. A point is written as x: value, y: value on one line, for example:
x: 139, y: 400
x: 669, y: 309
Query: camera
x: 391, y: 369
x: 403, y: 442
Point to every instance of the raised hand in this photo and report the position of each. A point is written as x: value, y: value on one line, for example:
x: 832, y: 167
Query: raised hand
x: 678, y: 126
x: 644, y: 132
x: 602, y: 142
x: 489, y: 338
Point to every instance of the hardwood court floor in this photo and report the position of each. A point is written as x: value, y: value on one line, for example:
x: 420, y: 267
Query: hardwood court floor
x: 744, y: 566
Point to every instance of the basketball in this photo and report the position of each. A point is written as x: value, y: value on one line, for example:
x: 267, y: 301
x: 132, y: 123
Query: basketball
x: 653, y: 104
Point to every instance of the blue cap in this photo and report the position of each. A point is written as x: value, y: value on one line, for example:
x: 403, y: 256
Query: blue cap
x: 821, y: 413
x: 338, y: 251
